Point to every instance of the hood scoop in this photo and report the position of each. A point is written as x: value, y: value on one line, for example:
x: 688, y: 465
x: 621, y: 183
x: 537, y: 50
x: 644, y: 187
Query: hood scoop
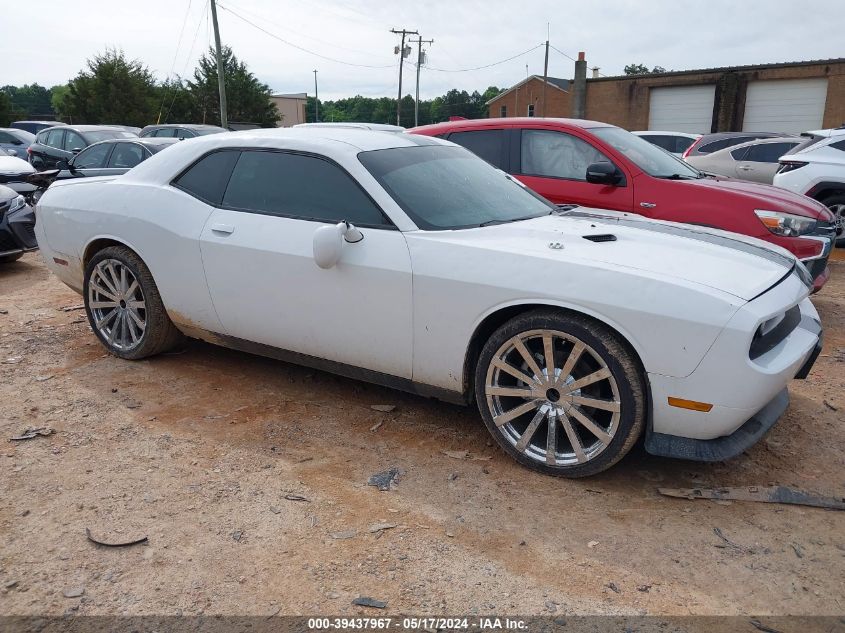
x: 602, y: 237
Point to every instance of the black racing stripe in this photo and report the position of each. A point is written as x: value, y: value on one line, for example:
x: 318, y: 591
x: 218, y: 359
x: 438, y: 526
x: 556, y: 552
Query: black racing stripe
x: 689, y: 232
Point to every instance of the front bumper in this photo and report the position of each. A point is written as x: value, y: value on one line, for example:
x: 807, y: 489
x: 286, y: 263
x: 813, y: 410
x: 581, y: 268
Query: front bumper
x: 17, y: 231
x: 747, y: 394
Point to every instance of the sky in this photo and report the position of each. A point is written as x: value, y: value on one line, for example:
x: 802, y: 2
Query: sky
x: 350, y: 44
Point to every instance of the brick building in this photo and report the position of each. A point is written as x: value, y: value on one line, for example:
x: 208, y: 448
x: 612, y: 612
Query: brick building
x: 787, y: 97
x: 526, y: 98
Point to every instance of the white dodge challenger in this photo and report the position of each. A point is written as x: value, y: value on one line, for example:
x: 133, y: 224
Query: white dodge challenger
x: 407, y: 261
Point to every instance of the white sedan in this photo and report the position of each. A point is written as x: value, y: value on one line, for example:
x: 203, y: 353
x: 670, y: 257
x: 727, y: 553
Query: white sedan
x: 407, y: 261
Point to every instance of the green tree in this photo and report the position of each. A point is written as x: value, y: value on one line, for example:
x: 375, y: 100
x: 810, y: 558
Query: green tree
x: 112, y: 89
x: 5, y: 109
x: 642, y: 69
x: 58, y: 94
x: 247, y: 99
x: 177, y: 104
x: 29, y: 100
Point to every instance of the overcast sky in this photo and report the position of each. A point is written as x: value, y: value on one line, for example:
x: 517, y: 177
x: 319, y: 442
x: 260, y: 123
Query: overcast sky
x: 676, y: 34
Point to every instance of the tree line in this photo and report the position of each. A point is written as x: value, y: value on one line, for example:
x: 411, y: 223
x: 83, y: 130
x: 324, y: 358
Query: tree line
x: 112, y: 89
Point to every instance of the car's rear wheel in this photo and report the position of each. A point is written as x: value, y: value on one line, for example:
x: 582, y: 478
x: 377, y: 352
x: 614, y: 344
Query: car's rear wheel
x: 8, y: 259
x: 836, y: 204
x: 560, y: 393
x: 124, y: 307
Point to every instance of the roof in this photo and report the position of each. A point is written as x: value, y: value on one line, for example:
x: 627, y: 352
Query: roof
x: 516, y: 121
x: 291, y: 95
x: 725, y: 69
x: 556, y: 82
x: 381, y: 127
x: 187, y: 126
x: 333, y: 142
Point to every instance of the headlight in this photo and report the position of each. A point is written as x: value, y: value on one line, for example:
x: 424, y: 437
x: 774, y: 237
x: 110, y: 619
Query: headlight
x: 17, y: 203
x: 785, y: 224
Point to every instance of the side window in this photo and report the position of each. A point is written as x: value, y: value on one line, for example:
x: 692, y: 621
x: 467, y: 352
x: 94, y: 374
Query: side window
x: 840, y: 145
x: 74, y: 141
x: 664, y: 142
x: 503, y: 111
x: 165, y: 132
x: 486, y: 144
x: 557, y: 155
x: 739, y: 154
x: 92, y: 158
x: 126, y: 155
x: 207, y: 178
x: 768, y: 152
x: 278, y: 183
x: 715, y: 146
x: 182, y: 133
x: 53, y: 138
x: 5, y: 137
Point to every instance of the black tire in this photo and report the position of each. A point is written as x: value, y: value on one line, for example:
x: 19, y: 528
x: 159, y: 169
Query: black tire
x: 604, y: 352
x: 8, y: 259
x: 159, y: 335
x: 836, y: 204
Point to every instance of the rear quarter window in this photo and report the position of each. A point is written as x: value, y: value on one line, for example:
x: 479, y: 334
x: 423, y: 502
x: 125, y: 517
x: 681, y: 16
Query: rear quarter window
x: 486, y: 144
x: 208, y: 177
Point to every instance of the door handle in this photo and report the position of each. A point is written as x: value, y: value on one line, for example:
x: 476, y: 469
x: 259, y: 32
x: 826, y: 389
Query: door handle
x: 648, y: 205
x: 746, y: 167
x: 223, y: 228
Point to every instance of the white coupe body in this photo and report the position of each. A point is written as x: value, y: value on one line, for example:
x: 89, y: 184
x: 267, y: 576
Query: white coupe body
x: 405, y: 305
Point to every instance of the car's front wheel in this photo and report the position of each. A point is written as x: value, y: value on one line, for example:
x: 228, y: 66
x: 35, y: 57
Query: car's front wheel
x: 8, y: 259
x: 560, y: 393
x: 124, y: 307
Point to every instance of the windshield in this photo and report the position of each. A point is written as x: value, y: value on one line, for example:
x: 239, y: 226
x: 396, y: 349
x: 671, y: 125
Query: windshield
x: 442, y: 187
x: 650, y: 158
x: 103, y: 135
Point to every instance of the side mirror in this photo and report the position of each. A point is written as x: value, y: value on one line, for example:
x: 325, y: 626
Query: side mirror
x: 76, y: 150
x: 603, y: 173
x: 328, y: 242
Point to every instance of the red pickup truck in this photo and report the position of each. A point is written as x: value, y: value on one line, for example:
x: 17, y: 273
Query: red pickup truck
x: 592, y: 164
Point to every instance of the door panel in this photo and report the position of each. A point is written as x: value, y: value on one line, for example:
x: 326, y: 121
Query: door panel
x: 267, y: 288
x: 554, y: 164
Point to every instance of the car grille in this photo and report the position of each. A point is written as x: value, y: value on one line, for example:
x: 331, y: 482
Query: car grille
x: 816, y: 266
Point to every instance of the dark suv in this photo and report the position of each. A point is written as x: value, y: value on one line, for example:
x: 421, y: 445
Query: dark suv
x: 180, y: 130
x: 57, y: 143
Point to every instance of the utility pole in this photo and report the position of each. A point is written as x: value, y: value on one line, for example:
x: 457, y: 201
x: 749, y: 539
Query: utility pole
x: 545, y: 79
x: 221, y: 82
x: 316, y: 100
x: 402, y: 55
x: 420, y: 41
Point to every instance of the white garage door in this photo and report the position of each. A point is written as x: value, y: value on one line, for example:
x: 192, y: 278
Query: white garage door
x: 682, y: 108
x: 788, y: 105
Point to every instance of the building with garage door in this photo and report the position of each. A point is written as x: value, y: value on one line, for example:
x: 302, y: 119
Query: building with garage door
x: 788, y: 97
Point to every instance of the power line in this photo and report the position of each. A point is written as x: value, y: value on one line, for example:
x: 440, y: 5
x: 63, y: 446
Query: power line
x: 297, y: 46
x: 570, y: 57
x: 175, y: 55
x: 466, y: 70
x: 203, y: 15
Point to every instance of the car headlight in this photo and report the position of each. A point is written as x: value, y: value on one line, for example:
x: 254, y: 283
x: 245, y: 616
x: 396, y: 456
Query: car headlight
x: 17, y: 203
x: 785, y: 224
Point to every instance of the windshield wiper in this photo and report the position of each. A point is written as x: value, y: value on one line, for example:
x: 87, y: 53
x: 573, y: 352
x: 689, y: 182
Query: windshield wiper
x: 509, y: 220
x: 679, y: 177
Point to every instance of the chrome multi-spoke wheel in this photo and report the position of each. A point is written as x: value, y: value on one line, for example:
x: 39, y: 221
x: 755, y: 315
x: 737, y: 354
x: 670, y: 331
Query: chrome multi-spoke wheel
x: 560, y: 393
x: 117, y: 305
x: 124, y: 307
x: 541, y: 382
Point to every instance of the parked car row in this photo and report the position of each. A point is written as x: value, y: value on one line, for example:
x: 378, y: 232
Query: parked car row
x: 593, y: 164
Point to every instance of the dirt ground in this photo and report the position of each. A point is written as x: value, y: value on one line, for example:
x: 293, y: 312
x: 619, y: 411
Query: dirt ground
x: 198, y: 450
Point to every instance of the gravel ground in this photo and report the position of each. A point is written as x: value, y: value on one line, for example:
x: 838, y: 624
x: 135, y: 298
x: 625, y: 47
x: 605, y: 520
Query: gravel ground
x: 249, y: 478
